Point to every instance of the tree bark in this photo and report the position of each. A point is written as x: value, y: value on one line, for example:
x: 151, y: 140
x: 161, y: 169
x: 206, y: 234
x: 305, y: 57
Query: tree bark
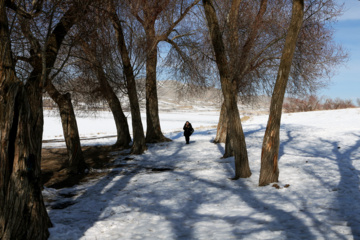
x: 153, y: 130
x: 22, y: 213
x: 269, y: 171
x: 242, y: 169
x: 222, y: 126
x: 76, y: 162
x: 139, y: 143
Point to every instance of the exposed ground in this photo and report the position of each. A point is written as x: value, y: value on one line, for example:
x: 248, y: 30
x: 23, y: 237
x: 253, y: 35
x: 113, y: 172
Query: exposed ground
x: 53, y: 165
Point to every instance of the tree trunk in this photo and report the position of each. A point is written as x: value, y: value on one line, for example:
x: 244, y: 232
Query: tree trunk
x: 228, y: 86
x: 221, y: 132
x: 153, y: 131
x: 139, y: 144
x: 122, y: 127
x: 229, y: 151
x: 76, y: 162
x: 22, y: 213
x: 269, y: 171
x: 239, y: 61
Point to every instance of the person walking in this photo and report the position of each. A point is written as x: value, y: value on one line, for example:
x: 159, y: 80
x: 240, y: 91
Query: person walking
x: 188, y: 130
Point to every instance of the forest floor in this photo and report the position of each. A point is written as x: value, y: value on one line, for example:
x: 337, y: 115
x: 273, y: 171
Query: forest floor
x: 54, y: 167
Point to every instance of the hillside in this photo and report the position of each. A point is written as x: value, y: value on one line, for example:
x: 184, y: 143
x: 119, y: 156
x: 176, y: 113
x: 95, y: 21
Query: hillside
x: 176, y: 96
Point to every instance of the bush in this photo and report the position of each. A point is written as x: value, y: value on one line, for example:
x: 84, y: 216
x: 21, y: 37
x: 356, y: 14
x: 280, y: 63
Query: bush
x: 313, y: 103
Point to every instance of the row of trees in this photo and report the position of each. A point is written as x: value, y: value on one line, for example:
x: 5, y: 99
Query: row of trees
x: 96, y: 49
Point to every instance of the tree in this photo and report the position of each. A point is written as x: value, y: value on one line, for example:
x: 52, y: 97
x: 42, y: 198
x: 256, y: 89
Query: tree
x: 269, y: 171
x: 42, y: 58
x: 262, y: 30
x: 239, y: 58
x: 139, y: 144
x: 76, y: 162
x: 148, y: 13
x: 22, y: 214
x: 123, y: 134
x: 228, y: 86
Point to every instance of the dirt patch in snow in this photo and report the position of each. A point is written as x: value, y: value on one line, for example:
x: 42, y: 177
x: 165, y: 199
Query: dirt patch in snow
x: 54, y: 172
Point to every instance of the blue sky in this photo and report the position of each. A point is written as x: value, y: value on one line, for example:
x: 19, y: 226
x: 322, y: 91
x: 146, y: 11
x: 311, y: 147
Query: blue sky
x: 345, y: 83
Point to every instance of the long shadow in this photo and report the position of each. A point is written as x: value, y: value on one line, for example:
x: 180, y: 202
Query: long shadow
x: 287, y: 222
x: 348, y: 194
x: 289, y: 218
x: 283, y: 144
x: 178, y: 216
x: 183, y: 226
x: 96, y: 206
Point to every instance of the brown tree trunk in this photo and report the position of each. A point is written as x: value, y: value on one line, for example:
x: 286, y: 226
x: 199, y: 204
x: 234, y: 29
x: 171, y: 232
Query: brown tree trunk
x: 139, y: 144
x: 221, y: 132
x: 229, y: 151
x: 242, y: 169
x: 122, y: 127
x: 269, y: 171
x: 153, y: 131
x: 22, y: 212
x: 76, y: 162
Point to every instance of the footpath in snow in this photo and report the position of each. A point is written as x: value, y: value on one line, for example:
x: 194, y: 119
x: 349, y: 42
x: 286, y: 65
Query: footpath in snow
x: 179, y: 191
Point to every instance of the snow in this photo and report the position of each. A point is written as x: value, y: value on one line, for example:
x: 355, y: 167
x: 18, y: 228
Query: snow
x: 179, y: 191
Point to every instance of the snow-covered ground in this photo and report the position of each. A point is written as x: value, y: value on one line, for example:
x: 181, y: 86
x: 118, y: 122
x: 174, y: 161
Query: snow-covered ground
x: 179, y: 191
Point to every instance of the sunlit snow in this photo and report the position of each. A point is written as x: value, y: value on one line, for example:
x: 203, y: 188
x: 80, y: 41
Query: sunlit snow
x: 179, y: 191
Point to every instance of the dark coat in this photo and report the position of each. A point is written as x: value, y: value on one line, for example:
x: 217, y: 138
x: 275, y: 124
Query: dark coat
x: 188, y: 130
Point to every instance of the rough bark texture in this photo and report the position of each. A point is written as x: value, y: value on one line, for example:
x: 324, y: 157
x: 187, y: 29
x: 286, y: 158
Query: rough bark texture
x: 139, y: 144
x: 270, y: 149
x: 76, y: 160
x: 153, y: 130
x: 22, y: 212
x: 122, y: 127
x: 222, y: 126
x: 228, y: 86
x: 229, y: 151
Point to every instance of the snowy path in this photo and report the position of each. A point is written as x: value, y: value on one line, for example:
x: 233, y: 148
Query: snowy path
x: 179, y: 191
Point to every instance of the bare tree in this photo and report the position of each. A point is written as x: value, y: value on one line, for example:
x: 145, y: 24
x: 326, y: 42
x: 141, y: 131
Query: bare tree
x: 76, y: 162
x: 270, y: 150
x: 148, y: 13
x: 44, y: 36
x: 22, y: 213
x: 228, y: 86
x: 123, y: 134
x: 262, y: 29
x: 139, y: 144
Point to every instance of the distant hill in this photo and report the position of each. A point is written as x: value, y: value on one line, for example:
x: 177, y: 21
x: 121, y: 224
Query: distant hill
x: 176, y: 96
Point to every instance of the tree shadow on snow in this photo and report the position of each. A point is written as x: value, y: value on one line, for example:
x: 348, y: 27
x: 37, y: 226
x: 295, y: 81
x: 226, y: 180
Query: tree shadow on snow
x: 79, y: 216
x: 184, y: 216
x: 290, y: 224
x: 346, y: 206
x: 284, y: 222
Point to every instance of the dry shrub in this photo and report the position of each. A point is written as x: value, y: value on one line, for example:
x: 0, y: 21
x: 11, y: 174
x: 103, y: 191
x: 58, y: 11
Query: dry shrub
x: 313, y: 103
